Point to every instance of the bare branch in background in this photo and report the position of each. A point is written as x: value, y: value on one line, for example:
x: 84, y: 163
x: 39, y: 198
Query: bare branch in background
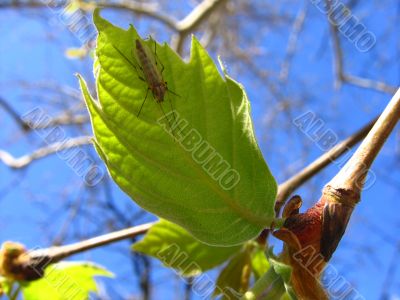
x: 193, y: 20
x: 292, y: 43
x: 7, y: 107
x: 340, y: 74
x: 25, y: 160
x: 142, y: 266
x: 188, y: 288
x: 390, y: 274
x: 64, y: 119
x: 369, y: 83
x: 182, y: 28
x: 149, y: 10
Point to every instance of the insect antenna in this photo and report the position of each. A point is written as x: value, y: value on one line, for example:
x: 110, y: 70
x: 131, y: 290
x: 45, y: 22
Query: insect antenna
x: 129, y: 61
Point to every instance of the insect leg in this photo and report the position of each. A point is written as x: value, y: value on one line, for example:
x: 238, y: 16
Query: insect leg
x: 130, y: 62
x: 165, y: 116
x: 147, y: 93
x: 172, y: 92
x: 157, y: 60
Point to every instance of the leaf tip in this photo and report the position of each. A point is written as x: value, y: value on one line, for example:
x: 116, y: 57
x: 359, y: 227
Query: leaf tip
x: 222, y: 65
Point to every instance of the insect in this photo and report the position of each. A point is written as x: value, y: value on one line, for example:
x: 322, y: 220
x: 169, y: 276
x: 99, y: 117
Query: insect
x: 151, y: 75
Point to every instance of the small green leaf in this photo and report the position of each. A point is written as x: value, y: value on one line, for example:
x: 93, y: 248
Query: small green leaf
x: 286, y: 296
x: 259, y: 262
x: 208, y: 175
x: 235, y: 276
x: 274, y: 284
x: 65, y: 281
x: 285, y: 272
x: 176, y: 248
x: 5, y: 286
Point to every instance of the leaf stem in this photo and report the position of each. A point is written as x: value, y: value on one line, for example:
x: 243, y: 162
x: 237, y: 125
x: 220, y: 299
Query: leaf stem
x: 270, y: 284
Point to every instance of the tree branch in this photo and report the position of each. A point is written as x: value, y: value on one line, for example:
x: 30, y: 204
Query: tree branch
x: 193, y: 20
x: 198, y: 15
x: 292, y: 42
x: 322, y: 226
x: 340, y: 74
x: 287, y: 187
x: 55, y: 254
x: 182, y: 28
x: 353, y: 174
x: 64, y: 119
x: 12, y: 112
x: 25, y: 160
x: 342, y: 193
x: 142, y: 9
x: 132, y: 6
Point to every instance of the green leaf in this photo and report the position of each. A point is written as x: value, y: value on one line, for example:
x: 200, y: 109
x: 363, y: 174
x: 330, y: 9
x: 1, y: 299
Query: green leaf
x: 208, y: 174
x: 285, y: 272
x: 176, y: 248
x: 5, y: 286
x: 259, y: 262
x: 274, y: 284
x: 235, y: 276
x: 65, y: 281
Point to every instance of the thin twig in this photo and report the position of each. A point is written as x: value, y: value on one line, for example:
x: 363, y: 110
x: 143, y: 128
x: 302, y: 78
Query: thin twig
x: 287, y: 187
x: 25, y: 160
x: 55, y: 254
x: 142, y: 9
x: 13, y: 113
x: 64, y: 119
x: 390, y: 274
x: 341, y: 76
x: 352, y: 175
x: 369, y: 84
x: 182, y: 28
x: 132, y: 6
x: 200, y: 13
x: 292, y: 42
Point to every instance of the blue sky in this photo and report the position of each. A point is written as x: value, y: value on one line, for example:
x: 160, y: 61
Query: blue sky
x: 32, y: 51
